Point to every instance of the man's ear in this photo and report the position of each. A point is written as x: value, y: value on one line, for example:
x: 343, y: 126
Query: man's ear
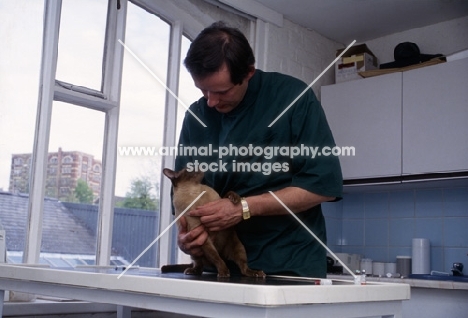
x: 250, y: 73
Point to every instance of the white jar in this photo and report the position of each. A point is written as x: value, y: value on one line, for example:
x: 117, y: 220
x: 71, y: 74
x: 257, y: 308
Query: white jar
x: 366, y: 264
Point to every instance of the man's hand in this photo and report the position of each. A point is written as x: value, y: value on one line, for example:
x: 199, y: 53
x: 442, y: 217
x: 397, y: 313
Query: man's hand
x: 191, y: 242
x: 222, y: 214
x: 218, y: 215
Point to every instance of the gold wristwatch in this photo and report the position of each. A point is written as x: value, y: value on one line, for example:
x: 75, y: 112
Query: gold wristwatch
x: 245, y: 209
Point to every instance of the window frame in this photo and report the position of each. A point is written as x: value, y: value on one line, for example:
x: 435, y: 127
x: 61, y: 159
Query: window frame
x: 108, y: 101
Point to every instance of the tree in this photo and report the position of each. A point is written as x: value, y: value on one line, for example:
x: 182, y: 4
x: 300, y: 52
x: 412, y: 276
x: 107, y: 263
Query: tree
x: 83, y: 193
x: 140, y: 196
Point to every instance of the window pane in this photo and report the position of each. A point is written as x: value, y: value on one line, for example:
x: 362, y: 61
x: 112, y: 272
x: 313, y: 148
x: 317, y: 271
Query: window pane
x: 21, y: 34
x: 73, y: 180
x: 140, y: 129
x: 75, y: 151
x: 81, y: 42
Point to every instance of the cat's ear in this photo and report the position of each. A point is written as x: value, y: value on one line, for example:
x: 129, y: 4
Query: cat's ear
x: 169, y: 173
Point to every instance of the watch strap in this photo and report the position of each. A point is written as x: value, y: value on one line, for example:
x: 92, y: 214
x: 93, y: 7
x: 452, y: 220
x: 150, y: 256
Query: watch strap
x: 245, y: 209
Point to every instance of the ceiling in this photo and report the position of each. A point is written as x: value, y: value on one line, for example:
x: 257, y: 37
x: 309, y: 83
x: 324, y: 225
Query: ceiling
x: 361, y: 20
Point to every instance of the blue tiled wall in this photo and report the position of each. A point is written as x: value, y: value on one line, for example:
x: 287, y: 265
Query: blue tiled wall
x: 381, y: 225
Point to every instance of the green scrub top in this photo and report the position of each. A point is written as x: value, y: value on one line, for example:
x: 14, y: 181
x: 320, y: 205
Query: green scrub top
x: 239, y: 152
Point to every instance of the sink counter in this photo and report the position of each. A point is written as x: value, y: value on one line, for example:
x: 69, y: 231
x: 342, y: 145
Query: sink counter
x: 413, y: 282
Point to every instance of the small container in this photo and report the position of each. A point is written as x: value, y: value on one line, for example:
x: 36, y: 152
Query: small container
x: 378, y: 269
x: 403, y: 265
x: 360, y: 277
x: 363, y: 277
x: 366, y: 265
x: 390, y: 268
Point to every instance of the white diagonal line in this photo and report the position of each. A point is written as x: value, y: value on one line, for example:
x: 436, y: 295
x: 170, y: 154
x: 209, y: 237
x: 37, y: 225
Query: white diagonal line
x: 312, y: 233
x: 310, y: 85
x: 162, y: 233
x: 161, y: 82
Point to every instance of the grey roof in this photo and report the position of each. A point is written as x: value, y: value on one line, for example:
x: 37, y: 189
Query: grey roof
x: 70, y: 228
x: 62, y: 232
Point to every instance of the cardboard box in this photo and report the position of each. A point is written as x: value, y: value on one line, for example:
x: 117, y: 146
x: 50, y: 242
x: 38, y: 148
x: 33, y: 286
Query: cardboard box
x: 357, y: 59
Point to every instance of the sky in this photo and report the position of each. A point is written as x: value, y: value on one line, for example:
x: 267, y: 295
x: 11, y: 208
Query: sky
x: 80, y: 58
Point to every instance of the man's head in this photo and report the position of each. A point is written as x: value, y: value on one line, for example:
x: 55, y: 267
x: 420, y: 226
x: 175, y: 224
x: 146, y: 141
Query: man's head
x: 221, y: 63
x: 216, y: 45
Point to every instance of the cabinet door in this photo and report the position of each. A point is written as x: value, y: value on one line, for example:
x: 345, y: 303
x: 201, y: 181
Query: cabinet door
x: 435, y: 118
x: 366, y: 114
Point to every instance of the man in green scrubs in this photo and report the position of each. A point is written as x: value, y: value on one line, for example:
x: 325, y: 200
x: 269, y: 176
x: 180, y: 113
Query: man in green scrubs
x: 241, y: 150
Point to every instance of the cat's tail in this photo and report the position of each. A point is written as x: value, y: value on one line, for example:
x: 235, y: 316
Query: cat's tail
x: 175, y: 268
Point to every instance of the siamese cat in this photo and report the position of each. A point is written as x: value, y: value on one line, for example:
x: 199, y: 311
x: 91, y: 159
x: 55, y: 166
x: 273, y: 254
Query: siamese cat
x: 221, y: 244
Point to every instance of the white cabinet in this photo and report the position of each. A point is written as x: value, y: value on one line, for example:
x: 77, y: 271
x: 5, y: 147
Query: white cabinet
x: 435, y: 118
x: 409, y: 123
x: 366, y: 114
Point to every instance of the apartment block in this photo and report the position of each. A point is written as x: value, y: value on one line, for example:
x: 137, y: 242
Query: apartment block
x: 64, y: 169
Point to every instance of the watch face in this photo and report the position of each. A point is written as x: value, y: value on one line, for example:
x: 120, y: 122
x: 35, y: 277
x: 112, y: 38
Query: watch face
x: 245, y: 207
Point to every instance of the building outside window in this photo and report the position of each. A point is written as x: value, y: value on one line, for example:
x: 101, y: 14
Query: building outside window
x: 19, y: 176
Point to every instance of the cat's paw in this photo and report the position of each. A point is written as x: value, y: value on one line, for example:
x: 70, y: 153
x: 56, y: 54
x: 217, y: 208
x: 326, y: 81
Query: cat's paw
x: 193, y: 271
x: 233, y: 197
x: 253, y: 273
x: 224, y: 274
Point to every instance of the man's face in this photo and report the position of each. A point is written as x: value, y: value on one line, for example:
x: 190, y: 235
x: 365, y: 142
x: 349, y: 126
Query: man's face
x: 219, y: 91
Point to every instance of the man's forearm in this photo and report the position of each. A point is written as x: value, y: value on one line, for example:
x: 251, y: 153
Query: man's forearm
x: 296, y: 199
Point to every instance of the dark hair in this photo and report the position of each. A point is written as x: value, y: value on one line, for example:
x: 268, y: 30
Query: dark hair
x: 218, y: 44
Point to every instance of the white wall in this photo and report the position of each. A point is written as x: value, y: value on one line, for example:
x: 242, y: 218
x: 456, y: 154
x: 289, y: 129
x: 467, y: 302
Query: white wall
x: 195, y: 14
x: 302, y: 53
x: 444, y: 38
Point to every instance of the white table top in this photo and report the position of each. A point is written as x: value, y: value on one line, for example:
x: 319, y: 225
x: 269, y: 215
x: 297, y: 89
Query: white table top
x: 237, y: 290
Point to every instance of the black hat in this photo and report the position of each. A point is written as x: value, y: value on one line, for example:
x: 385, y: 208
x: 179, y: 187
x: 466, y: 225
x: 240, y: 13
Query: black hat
x: 406, y: 54
x: 406, y: 50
